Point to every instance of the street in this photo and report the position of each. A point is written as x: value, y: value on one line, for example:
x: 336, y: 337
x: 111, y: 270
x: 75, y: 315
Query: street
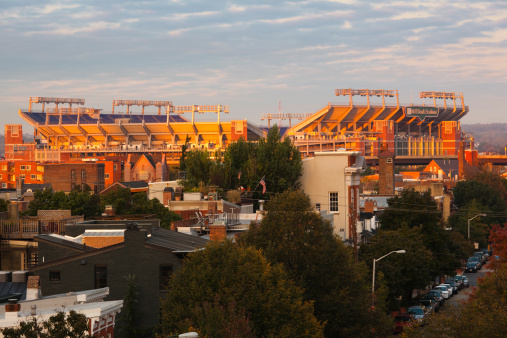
x: 464, y: 293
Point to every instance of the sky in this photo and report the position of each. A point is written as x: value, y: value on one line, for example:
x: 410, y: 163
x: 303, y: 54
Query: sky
x: 255, y: 56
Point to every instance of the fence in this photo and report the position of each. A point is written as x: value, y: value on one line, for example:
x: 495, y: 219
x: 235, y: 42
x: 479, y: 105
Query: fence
x: 30, y: 227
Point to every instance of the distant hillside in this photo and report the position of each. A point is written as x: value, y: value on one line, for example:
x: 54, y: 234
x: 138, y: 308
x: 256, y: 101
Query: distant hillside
x: 490, y: 137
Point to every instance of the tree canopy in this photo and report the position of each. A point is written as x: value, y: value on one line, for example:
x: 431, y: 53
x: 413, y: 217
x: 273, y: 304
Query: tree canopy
x: 226, y: 281
x: 415, y: 209
x: 73, y: 325
x: 291, y: 233
x: 245, y: 163
x: 90, y: 205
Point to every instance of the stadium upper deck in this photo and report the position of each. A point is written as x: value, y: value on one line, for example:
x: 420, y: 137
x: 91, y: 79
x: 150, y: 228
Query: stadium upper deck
x: 426, y: 130
x: 77, y: 129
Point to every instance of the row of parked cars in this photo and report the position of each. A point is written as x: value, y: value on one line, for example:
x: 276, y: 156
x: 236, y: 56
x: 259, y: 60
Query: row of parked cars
x: 476, y: 261
x: 430, y: 303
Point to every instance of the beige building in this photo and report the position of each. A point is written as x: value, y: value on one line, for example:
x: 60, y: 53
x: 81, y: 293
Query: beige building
x: 332, y: 179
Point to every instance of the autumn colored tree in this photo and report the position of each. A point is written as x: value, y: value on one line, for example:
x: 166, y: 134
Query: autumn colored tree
x: 224, y: 282
x: 293, y: 234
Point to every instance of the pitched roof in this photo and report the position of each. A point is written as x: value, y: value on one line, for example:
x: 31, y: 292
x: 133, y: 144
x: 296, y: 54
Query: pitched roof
x: 134, y: 184
x: 174, y: 240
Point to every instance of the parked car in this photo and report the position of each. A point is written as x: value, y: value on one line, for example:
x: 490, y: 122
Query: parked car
x: 403, y: 321
x: 444, y: 290
x: 436, y: 294
x: 477, y: 262
x: 431, y: 304
x: 454, y: 286
x: 465, y: 281
x: 418, y: 311
x: 459, y: 280
x: 449, y: 288
x: 471, y: 267
x: 481, y: 256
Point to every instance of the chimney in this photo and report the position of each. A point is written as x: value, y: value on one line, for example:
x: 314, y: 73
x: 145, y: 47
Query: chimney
x: 217, y: 232
x: 13, y: 211
x: 12, y: 309
x: 33, y: 288
x: 461, y: 160
x: 109, y: 211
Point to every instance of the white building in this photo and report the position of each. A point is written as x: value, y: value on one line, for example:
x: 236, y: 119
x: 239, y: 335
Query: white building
x: 332, y: 179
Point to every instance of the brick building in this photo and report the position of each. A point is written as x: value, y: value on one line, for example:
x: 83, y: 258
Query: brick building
x: 71, y: 266
x: 67, y: 176
x: 11, y: 173
x: 15, y: 149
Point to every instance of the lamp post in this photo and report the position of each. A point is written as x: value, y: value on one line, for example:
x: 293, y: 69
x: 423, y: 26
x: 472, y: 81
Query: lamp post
x: 469, y: 223
x: 373, y: 279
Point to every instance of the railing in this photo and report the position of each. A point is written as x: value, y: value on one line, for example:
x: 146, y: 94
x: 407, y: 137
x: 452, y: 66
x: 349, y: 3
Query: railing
x: 30, y: 227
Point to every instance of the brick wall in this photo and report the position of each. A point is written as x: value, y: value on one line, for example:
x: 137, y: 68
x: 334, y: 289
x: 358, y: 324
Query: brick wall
x: 217, y: 232
x: 102, y: 241
x: 60, y: 176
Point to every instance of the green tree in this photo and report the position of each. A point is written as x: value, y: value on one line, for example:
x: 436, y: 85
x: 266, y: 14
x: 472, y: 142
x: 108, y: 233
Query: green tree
x: 73, y: 325
x: 126, y: 203
x: 127, y: 322
x: 402, y: 272
x: 231, y: 274
x: 78, y: 202
x: 416, y: 209
x: 279, y: 162
x: 292, y: 233
x: 4, y: 204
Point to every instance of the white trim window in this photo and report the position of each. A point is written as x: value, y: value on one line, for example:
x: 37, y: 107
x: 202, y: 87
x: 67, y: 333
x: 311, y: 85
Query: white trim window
x: 333, y: 201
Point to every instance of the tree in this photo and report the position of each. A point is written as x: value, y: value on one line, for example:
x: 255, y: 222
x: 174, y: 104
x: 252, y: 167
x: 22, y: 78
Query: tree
x: 126, y: 203
x: 4, y: 204
x: 415, y: 209
x: 291, y: 233
x: 79, y: 202
x: 240, y: 280
x: 73, y: 325
x: 127, y: 322
x: 279, y: 161
x: 404, y: 272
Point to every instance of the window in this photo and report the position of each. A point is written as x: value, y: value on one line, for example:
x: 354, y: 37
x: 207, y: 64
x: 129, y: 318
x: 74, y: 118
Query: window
x: 333, y: 202
x: 22, y: 176
x: 73, y: 186
x: 106, y: 176
x: 40, y: 168
x: 83, y: 174
x: 4, y: 185
x: 115, y: 167
x: 15, y: 131
x: 22, y: 167
x: 100, y: 276
x: 389, y: 160
x: 0, y: 176
x: 39, y: 177
x: 165, y: 272
x: 73, y: 174
x: 4, y: 168
x: 54, y: 276
x: 33, y: 176
x: 13, y: 178
x: 28, y: 167
x: 317, y: 206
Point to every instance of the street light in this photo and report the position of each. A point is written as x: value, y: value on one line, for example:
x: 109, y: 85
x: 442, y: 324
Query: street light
x: 373, y: 281
x: 484, y: 215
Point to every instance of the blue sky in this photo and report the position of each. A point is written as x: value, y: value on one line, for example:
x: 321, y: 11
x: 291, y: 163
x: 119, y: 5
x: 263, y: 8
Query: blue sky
x: 252, y: 54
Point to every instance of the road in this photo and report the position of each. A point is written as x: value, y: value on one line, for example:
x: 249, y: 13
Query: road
x: 464, y: 293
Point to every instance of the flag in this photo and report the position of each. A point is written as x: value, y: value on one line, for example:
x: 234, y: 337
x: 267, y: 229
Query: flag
x: 239, y: 175
x: 263, y: 183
